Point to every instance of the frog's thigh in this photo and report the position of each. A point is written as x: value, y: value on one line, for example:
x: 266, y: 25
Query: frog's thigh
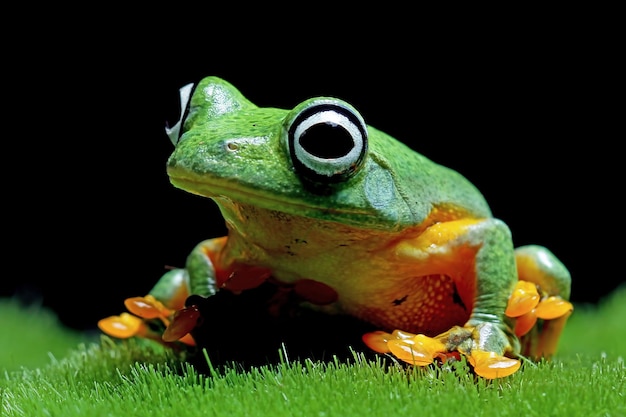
x: 201, y: 266
x: 539, y: 266
x: 474, y: 252
x: 198, y: 277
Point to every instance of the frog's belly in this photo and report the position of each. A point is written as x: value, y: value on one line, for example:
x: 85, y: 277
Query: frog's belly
x: 428, y: 304
x: 390, y: 295
x: 358, y: 264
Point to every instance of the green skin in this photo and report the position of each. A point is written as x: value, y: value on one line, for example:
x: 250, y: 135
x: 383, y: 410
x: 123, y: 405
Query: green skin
x: 238, y: 154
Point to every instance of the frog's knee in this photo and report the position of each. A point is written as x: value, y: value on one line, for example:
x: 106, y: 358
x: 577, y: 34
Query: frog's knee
x: 491, y: 226
x: 172, y: 288
x: 540, y: 266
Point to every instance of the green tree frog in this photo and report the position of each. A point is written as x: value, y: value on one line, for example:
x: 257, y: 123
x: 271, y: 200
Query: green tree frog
x: 353, y: 222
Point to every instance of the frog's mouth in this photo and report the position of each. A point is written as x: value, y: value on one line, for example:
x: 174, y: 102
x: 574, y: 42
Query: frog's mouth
x: 309, y: 205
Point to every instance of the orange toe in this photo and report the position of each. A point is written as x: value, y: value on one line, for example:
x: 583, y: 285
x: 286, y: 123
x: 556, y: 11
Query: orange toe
x: 553, y: 307
x: 146, y: 307
x: 525, y: 322
x: 490, y: 365
x: 123, y: 326
x: 523, y: 299
x: 419, y: 350
x: 377, y: 341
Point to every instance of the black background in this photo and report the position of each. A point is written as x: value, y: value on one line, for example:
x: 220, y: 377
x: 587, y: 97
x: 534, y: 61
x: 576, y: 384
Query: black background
x: 526, y: 111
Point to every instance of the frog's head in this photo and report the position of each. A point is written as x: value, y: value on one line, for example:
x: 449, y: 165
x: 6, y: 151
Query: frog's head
x: 318, y: 160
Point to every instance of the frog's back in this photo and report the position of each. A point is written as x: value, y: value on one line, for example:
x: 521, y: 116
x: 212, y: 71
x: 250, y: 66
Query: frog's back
x: 424, y: 185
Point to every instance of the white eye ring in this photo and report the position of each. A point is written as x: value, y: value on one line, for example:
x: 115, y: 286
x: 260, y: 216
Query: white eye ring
x: 327, y: 141
x: 328, y: 166
x: 185, y: 96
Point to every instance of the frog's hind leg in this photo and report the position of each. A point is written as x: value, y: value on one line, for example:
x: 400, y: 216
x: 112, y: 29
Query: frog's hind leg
x: 161, y: 315
x: 539, y: 303
x: 150, y: 315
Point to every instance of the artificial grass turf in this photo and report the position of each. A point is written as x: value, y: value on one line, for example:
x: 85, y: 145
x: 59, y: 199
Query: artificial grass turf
x: 138, y: 378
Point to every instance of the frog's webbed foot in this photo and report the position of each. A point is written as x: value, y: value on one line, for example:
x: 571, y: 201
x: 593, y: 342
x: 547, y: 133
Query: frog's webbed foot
x: 480, y: 344
x: 538, y: 305
x: 150, y: 319
x: 539, y: 318
x: 151, y: 316
x: 164, y: 314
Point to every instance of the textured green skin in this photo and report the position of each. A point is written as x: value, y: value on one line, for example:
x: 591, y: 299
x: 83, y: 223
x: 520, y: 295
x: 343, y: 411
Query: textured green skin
x: 395, y: 189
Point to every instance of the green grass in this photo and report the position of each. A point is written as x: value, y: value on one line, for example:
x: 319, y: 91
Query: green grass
x: 134, y: 378
x: 31, y: 336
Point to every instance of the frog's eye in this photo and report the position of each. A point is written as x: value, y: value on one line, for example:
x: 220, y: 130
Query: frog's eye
x: 185, y: 98
x: 327, y: 141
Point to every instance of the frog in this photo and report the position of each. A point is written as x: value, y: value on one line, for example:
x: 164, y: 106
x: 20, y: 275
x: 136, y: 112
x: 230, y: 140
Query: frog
x: 354, y: 223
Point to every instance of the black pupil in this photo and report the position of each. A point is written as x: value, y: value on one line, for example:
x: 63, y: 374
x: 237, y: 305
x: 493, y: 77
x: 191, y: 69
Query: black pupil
x: 327, y: 140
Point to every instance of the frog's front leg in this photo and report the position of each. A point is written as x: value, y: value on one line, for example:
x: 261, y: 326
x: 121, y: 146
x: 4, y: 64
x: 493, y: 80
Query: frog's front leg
x: 161, y: 314
x: 478, y: 255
